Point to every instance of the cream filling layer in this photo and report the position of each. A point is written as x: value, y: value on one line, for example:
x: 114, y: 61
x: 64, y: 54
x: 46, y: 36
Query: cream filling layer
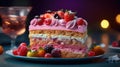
x: 59, y: 37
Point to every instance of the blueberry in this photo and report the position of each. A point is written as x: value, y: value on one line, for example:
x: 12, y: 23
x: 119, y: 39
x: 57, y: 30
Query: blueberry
x: 48, y: 48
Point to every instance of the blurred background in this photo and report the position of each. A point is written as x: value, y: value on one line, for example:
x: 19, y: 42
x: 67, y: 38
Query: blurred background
x: 103, y: 16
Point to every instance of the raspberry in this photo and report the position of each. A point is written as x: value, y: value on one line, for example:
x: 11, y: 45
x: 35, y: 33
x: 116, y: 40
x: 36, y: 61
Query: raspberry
x: 48, y: 55
x: 115, y: 44
x: 15, y: 52
x: 23, y: 44
x: 91, y: 53
x: 80, y: 21
x: 40, y: 21
x: 48, y: 21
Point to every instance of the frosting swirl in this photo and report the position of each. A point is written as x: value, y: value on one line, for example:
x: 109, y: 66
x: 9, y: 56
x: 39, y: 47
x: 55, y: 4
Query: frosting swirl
x: 54, y: 22
x: 71, y: 24
x: 62, y: 22
x: 34, y: 21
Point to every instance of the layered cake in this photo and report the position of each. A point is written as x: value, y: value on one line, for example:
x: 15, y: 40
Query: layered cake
x: 62, y: 30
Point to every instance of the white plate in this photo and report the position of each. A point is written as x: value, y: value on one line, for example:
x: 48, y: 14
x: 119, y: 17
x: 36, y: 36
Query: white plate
x: 9, y: 52
x: 116, y: 48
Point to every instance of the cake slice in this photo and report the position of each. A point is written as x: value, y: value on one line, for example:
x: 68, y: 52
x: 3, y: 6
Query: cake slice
x: 63, y: 30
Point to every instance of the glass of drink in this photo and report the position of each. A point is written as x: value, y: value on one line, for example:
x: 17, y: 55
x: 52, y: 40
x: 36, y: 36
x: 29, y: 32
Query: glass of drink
x: 13, y: 22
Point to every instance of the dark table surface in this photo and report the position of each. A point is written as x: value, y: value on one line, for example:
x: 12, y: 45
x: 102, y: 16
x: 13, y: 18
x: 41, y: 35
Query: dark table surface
x: 8, y: 61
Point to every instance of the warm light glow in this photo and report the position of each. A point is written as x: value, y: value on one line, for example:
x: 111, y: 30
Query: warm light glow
x: 118, y: 18
x: 104, y: 24
x: 7, y: 23
x: 105, y: 39
x: 21, y: 31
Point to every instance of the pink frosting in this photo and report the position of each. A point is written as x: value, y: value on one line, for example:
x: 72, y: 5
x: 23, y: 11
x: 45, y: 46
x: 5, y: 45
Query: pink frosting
x: 62, y: 22
x: 34, y: 22
x: 59, y: 24
x: 71, y: 24
x: 54, y: 22
x: 82, y: 28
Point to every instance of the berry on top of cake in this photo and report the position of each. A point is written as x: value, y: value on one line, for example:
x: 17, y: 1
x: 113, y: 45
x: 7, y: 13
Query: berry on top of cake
x: 63, y: 29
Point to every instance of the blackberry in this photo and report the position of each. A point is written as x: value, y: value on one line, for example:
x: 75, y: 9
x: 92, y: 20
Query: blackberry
x: 48, y: 48
x: 56, y: 53
x: 57, y: 16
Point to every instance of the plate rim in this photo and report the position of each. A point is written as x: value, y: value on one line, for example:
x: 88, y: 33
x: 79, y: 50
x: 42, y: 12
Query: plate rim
x: 113, y: 47
x: 9, y: 52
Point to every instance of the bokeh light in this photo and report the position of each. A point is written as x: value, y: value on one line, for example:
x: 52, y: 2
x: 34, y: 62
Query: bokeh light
x: 104, y: 23
x: 118, y: 18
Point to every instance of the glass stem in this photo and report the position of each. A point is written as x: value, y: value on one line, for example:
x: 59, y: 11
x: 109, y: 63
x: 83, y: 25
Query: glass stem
x: 13, y: 42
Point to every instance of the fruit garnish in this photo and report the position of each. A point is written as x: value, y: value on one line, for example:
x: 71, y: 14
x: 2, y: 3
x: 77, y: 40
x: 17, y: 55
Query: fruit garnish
x: 15, y: 52
x: 1, y: 49
x: 23, y: 44
x: 42, y: 16
x: 56, y: 53
x: 48, y: 48
x: 98, y: 50
x: 32, y: 53
x: 41, y: 53
x: 80, y: 21
x: 40, y: 21
x: 57, y: 16
x: 60, y: 13
x: 48, y: 55
x: 48, y: 15
x: 115, y: 44
x: 91, y: 53
x: 68, y: 16
x: 48, y: 21
x: 23, y: 51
